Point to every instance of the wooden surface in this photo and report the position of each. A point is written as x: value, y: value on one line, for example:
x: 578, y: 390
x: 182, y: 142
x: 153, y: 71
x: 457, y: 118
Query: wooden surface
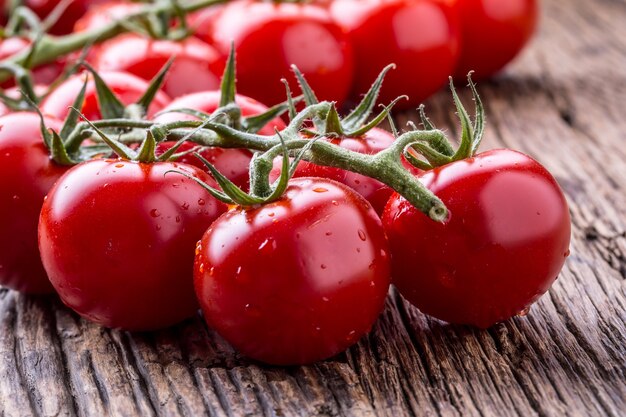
x: 562, y: 102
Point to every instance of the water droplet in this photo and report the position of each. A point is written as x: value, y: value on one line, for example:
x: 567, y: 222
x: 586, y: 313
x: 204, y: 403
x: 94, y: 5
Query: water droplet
x: 185, y: 206
x: 358, y: 250
x: 268, y: 244
x: 350, y: 337
x: 17, y: 197
x: 201, y: 268
x: 212, y: 270
x: 320, y: 190
x: 362, y: 235
x: 325, y: 299
x: 270, y: 214
x: 329, y: 233
x: 201, y: 202
x: 158, y: 227
x: 524, y: 312
x: 238, y: 271
x: 567, y: 253
x: 177, y: 219
x: 323, y: 266
x: 252, y: 310
x: 155, y: 213
x: 335, y: 203
x: 175, y: 185
x: 318, y: 328
x: 357, y: 182
x: 119, y: 165
x: 372, y: 283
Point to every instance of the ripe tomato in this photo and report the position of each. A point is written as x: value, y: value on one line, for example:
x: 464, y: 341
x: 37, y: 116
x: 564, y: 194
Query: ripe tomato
x: 44, y: 74
x: 126, y: 86
x: 27, y: 174
x: 233, y: 163
x: 117, y: 239
x: 65, y: 24
x: 373, y: 190
x: 270, y: 36
x: 201, y: 22
x: 297, y: 280
x: 420, y: 36
x: 501, y: 249
x: 493, y: 33
x: 197, y: 65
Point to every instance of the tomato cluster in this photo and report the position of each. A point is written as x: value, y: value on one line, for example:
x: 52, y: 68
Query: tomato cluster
x: 176, y: 193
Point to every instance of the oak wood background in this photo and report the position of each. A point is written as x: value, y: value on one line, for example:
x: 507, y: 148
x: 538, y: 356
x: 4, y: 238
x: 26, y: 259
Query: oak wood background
x: 563, y: 102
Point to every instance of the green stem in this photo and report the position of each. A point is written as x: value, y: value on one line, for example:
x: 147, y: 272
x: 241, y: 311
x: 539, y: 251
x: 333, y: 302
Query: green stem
x: 52, y: 47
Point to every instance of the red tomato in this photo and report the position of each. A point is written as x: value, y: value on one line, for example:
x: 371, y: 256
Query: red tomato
x: 105, y: 13
x: 65, y: 24
x: 373, y: 190
x: 27, y: 174
x: 126, y: 86
x: 501, y: 249
x: 197, y: 65
x: 201, y: 22
x: 420, y: 36
x: 43, y: 74
x: 233, y: 163
x: 270, y: 36
x: 117, y: 240
x: 493, y: 33
x: 297, y: 280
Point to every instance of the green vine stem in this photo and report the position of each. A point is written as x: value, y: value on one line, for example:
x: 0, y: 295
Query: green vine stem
x: 49, y: 48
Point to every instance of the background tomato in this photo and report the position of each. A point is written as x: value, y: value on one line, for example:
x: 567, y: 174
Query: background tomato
x: 127, y: 87
x: 75, y: 9
x: 26, y: 175
x: 493, y: 33
x: 297, y: 280
x: 420, y: 36
x: 233, y: 163
x: 104, y: 13
x: 197, y: 65
x: 501, y: 249
x: 117, y: 240
x: 43, y: 74
x: 270, y: 36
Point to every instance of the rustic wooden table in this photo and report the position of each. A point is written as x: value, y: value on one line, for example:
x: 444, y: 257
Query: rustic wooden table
x: 563, y: 102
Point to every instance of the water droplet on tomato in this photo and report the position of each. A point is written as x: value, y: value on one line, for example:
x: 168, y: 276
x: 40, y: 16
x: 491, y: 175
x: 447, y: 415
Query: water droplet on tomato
x: 351, y: 336
x: 325, y: 299
x: 320, y: 190
x: 155, y: 213
x: 158, y: 227
x: 567, y: 253
x: 270, y: 214
x: 201, y: 202
x: 372, y: 283
x: 329, y: 233
x: 323, y: 266
x: 362, y: 235
x: 201, y: 268
x: 383, y: 253
x: 357, y: 182
x: 119, y: 165
x: 185, y: 206
x: 198, y: 248
x: 251, y: 310
x: 524, y: 312
x: 212, y: 270
x: 358, y: 250
x: 17, y: 197
x: 335, y: 203
x: 177, y: 219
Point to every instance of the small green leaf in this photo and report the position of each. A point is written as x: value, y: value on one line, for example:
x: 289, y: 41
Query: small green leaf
x: 290, y: 102
x: 228, y: 90
x: 214, y: 192
x: 119, y: 148
x: 45, y: 134
x: 362, y: 112
x: 147, y: 151
x: 434, y: 157
x: 309, y: 95
x: 58, y: 152
x: 154, y: 86
x: 72, y: 118
x: 110, y: 106
x: 333, y: 126
x: 375, y: 121
x: 416, y: 162
x: 467, y: 137
x: 479, y: 123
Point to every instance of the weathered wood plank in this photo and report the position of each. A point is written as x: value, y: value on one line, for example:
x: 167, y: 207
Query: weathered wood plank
x: 562, y: 102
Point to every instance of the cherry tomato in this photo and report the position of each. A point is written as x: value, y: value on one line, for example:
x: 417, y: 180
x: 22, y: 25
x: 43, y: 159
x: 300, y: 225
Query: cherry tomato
x: 420, y: 36
x: 117, y: 240
x: 201, y: 22
x: 493, y: 33
x: 197, y: 65
x: 127, y: 87
x: 297, y: 280
x: 44, y: 74
x: 373, y: 190
x: 233, y: 163
x: 65, y: 24
x: 270, y: 36
x: 26, y: 175
x: 501, y: 249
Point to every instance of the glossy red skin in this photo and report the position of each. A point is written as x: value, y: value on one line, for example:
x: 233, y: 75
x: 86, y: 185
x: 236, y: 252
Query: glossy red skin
x: 43, y: 74
x: 233, y: 163
x: 197, y: 65
x: 201, y: 22
x: 26, y: 175
x: 373, y: 190
x: 501, y: 249
x: 117, y: 239
x: 493, y: 33
x: 420, y: 36
x: 297, y: 280
x: 72, y: 13
x: 269, y: 37
x: 127, y: 87
x: 103, y: 14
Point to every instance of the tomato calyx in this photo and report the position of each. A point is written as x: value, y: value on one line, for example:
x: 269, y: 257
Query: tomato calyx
x: 439, y: 151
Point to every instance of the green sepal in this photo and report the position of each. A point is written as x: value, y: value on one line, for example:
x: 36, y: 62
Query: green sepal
x: 257, y: 122
x: 155, y: 85
x: 435, y: 158
x: 290, y: 101
x: 392, y: 126
x: 228, y: 89
x: 58, y: 152
x: 375, y: 121
x: 23, y: 79
x: 184, y: 110
x: 363, y: 110
x: 416, y: 162
x: 119, y: 148
x: 442, y: 145
x: 72, y: 118
x: 170, y: 153
x: 300, y: 155
x: 214, y: 192
x: 110, y: 106
x: 479, y: 122
x: 332, y: 123
x: 309, y: 96
x: 45, y: 133
x: 425, y: 120
x: 467, y: 130
x: 147, y: 150
x: 280, y: 185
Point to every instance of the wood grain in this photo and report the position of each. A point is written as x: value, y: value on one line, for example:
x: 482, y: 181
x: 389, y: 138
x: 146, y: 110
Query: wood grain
x: 561, y: 102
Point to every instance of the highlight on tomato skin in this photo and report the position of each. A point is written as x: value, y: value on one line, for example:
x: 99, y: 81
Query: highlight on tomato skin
x: 117, y: 237
x: 503, y: 246
x: 297, y: 280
